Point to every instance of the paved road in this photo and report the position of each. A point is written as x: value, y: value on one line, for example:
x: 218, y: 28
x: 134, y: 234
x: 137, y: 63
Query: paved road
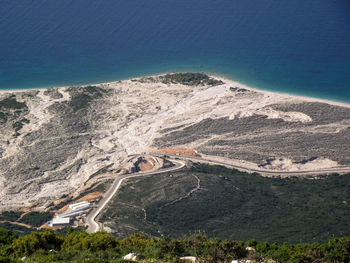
x: 339, y: 169
x: 93, y: 226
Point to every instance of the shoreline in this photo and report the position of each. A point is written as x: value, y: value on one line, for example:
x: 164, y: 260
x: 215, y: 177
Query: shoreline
x: 254, y: 128
x: 225, y: 79
x: 282, y: 94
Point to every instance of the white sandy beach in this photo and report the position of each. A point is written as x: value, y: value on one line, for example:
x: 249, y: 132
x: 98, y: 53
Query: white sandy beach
x: 233, y: 83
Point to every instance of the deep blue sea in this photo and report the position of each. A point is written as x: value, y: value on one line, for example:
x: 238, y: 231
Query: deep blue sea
x: 300, y: 47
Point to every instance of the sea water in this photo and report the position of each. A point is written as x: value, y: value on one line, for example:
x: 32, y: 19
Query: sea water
x: 300, y: 47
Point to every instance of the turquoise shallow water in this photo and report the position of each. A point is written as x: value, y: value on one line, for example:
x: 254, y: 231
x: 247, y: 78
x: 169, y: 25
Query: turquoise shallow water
x: 300, y: 47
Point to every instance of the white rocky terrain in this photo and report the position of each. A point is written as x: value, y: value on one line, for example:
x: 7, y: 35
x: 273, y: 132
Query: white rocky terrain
x: 52, y: 141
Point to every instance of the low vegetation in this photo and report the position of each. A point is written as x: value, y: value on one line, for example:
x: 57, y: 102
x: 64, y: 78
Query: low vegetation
x: 18, y: 125
x: 12, y: 113
x: 18, y: 229
x: 79, y: 246
x: 190, y: 79
x: 3, y: 117
x: 12, y: 103
x: 10, y: 215
x: 35, y: 219
x: 81, y: 97
x: 232, y: 205
x: 12, y: 220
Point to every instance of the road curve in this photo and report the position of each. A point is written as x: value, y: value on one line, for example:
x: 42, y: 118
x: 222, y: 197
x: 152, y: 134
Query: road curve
x: 339, y: 169
x: 93, y: 226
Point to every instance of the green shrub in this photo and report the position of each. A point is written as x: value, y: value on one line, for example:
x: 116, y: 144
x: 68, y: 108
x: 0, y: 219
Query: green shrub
x: 84, y: 241
x: 29, y: 244
x: 79, y: 246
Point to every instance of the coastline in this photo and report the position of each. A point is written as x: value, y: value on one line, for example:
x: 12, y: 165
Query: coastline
x: 282, y: 94
x: 225, y: 79
x: 89, y: 129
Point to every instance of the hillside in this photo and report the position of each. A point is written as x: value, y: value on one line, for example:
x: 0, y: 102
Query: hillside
x: 229, y: 204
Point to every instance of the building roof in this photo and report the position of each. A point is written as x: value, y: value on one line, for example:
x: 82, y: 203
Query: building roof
x: 60, y: 220
x: 77, y: 204
x: 70, y: 213
x: 81, y: 206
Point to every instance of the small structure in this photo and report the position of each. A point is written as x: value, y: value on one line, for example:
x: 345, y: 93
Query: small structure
x: 59, y: 221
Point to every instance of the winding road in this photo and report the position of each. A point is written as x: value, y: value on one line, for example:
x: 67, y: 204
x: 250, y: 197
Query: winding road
x: 94, y: 226
x: 338, y: 169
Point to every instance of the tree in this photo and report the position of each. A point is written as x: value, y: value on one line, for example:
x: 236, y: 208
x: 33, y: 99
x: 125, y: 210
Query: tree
x: 170, y: 248
x: 6, y: 239
x: 84, y: 241
x: 27, y: 245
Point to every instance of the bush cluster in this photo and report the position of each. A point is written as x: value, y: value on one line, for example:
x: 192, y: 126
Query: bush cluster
x: 79, y: 246
x: 190, y: 79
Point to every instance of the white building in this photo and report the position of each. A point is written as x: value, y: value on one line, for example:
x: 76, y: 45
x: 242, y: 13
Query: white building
x: 70, y: 214
x: 59, y: 221
x: 81, y: 207
x: 73, y: 206
x: 75, y: 209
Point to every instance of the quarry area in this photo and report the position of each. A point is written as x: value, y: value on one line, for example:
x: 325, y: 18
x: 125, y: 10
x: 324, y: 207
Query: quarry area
x: 59, y: 141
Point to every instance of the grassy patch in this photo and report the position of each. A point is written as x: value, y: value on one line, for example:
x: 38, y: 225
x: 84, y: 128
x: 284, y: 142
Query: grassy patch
x: 16, y: 228
x: 35, y: 219
x: 9, y: 216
